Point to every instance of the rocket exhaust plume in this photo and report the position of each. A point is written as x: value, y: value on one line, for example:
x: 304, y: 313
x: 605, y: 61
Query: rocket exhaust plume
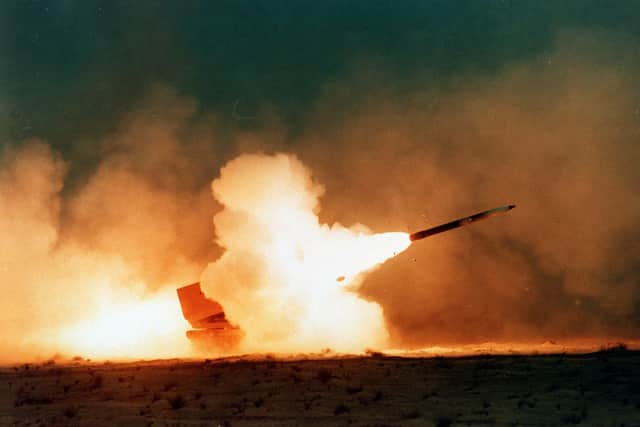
x: 277, y: 277
x: 459, y: 222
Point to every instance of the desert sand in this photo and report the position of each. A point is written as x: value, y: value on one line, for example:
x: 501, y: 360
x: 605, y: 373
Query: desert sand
x: 601, y: 388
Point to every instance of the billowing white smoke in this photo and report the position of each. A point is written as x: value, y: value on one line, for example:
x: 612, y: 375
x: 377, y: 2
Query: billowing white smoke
x: 286, y: 279
x: 62, y: 297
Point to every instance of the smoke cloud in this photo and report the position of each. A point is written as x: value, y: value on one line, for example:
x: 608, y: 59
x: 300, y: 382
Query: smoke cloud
x: 557, y: 134
x: 92, y: 269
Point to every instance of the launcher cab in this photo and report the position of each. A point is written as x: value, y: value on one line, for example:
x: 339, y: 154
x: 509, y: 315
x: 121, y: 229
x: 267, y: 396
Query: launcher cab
x: 211, y: 331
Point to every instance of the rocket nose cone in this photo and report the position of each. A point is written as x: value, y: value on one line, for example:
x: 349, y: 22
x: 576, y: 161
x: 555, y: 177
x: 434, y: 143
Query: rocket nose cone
x: 511, y: 206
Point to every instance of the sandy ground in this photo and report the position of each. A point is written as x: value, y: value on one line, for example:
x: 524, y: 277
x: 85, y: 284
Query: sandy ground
x: 593, y: 389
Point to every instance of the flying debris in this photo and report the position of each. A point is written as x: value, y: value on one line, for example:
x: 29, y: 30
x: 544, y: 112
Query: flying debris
x: 459, y: 222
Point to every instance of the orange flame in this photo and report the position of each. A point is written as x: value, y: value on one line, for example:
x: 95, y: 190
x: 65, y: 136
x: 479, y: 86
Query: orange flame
x: 130, y: 327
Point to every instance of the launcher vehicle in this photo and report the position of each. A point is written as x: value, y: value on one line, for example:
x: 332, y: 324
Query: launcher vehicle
x: 211, y: 329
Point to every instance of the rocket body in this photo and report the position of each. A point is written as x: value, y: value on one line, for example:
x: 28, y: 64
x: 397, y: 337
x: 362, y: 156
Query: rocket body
x: 459, y: 222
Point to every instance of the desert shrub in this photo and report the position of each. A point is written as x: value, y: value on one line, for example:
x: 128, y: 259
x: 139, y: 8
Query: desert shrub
x: 363, y: 401
x: 32, y: 400
x: 608, y: 368
x: 615, y: 348
x: 443, y: 421
x: 324, y: 375
x: 443, y: 362
x: 573, y: 373
x: 375, y: 354
x: 96, y: 382
x: 176, y: 401
x: 70, y: 411
x: 411, y: 415
x: 354, y: 389
x: 572, y: 419
x: 169, y: 385
x: 341, y: 409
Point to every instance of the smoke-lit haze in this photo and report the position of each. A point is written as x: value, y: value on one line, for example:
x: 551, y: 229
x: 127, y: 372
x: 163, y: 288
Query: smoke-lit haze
x: 110, y: 147
x: 132, y: 229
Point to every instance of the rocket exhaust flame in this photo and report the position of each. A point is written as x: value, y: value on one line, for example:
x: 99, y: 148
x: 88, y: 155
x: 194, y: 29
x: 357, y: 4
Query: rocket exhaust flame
x: 459, y: 222
x: 286, y: 280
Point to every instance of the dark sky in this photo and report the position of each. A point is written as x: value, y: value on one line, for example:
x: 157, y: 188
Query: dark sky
x: 70, y: 69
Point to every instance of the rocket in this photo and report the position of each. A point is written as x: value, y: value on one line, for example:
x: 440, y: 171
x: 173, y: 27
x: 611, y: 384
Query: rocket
x: 459, y: 222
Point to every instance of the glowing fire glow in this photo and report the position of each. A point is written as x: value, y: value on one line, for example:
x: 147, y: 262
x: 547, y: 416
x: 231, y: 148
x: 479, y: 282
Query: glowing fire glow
x: 134, y: 327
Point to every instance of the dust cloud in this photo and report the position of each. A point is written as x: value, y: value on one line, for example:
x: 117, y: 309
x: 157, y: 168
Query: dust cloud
x: 557, y: 134
x: 83, y: 267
